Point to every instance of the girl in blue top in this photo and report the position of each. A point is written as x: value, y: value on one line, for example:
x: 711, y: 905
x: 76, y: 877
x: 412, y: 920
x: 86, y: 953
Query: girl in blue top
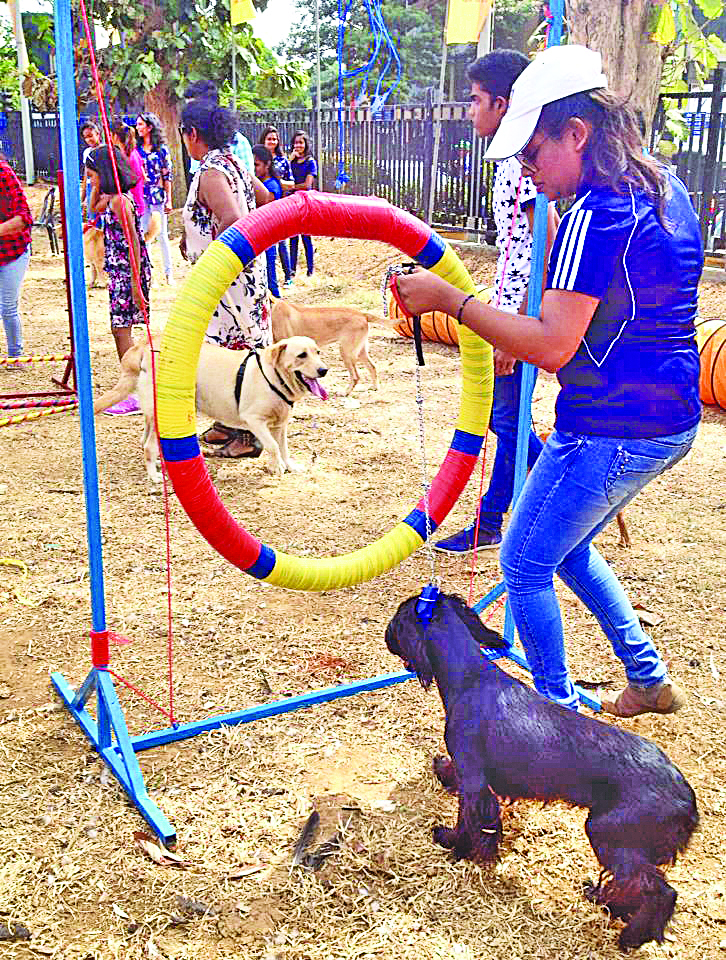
x: 617, y: 326
x: 265, y: 172
x: 157, y: 186
x: 304, y: 171
x: 270, y: 138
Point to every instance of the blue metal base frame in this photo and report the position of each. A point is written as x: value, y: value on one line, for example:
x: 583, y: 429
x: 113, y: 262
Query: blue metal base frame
x: 109, y: 736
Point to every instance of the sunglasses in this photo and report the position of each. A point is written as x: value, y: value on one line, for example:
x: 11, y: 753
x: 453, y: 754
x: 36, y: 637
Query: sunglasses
x: 528, y: 158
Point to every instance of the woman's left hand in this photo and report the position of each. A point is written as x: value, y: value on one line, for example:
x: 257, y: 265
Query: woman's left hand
x: 422, y: 291
x: 168, y: 207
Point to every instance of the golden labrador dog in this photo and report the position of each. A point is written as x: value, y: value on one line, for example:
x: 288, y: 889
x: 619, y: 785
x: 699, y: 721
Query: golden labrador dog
x: 254, y: 390
x: 326, y: 325
x: 94, y: 249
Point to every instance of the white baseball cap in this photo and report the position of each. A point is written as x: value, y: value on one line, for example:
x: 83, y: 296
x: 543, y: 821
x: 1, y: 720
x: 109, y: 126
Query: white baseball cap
x: 555, y: 73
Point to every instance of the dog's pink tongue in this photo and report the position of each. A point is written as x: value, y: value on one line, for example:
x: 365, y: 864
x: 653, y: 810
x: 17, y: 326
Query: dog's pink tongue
x: 317, y: 388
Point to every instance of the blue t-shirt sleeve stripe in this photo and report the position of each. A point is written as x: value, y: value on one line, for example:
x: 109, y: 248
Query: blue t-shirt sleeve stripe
x: 586, y: 258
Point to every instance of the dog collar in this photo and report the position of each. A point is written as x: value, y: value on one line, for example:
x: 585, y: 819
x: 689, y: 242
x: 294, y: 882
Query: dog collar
x: 241, y: 376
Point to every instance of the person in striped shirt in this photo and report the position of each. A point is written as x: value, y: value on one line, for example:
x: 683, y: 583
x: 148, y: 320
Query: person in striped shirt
x: 617, y: 326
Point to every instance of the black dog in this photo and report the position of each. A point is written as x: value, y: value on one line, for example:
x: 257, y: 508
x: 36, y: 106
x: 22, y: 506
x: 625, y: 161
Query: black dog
x: 506, y: 740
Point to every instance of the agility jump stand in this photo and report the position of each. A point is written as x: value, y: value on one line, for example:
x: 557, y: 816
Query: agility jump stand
x: 107, y: 731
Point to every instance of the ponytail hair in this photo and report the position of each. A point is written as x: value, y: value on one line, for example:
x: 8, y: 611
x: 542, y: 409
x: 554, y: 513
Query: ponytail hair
x: 125, y: 133
x: 615, y: 156
x: 215, y: 125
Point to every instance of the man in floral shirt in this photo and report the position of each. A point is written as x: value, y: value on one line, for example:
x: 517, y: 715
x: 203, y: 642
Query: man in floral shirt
x: 513, y: 200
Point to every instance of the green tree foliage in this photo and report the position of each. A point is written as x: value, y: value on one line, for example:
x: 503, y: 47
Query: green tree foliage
x: 416, y: 31
x: 9, y: 86
x: 514, y: 23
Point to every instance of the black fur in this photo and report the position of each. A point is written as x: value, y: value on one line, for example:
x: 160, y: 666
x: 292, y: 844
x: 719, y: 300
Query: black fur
x: 506, y: 740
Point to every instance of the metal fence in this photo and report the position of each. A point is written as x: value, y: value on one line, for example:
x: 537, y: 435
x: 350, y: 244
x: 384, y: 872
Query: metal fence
x: 700, y: 160
x: 391, y: 155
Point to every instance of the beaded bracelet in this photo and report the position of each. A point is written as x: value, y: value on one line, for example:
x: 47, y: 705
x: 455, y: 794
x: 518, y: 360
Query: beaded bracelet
x: 472, y: 296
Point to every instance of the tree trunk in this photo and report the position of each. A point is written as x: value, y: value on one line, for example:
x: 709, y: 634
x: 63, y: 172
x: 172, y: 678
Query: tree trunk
x: 159, y: 102
x: 620, y: 31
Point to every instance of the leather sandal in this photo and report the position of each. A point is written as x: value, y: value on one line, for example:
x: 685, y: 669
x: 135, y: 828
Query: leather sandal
x: 244, y: 437
x: 225, y: 434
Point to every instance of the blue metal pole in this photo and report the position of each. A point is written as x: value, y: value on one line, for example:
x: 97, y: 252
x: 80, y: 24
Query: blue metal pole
x: 74, y: 240
x: 534, y: 303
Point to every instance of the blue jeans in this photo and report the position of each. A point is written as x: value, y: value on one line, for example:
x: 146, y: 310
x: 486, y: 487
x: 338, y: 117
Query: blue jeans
x: 505, y: 416
x: 284, y: 258
x: 11, y: 279
x: 163, y: 235
x: 271, y: 256
x: 576, y: 487
x: 308, y: 244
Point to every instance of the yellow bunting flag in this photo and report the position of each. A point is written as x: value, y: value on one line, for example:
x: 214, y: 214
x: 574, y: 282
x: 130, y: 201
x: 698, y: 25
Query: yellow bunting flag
x: 466, y: 19
x: 241, y: 11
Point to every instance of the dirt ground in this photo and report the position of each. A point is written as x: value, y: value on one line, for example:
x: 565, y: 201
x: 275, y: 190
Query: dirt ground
x: 72, y: 875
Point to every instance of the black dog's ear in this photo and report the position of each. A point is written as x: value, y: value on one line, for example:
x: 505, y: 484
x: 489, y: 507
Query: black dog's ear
x: 406, y: 638
x: 481, y: 633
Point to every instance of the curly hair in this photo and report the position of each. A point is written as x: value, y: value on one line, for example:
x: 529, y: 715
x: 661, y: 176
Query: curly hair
x: 157, y: 131
x: 614, y: 156
x: 215, y: 125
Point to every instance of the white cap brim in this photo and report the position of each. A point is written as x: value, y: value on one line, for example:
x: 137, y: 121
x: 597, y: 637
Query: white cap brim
x: 513, y: 135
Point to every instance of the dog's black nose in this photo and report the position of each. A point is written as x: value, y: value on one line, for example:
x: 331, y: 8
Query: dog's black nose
x: 322, y: 371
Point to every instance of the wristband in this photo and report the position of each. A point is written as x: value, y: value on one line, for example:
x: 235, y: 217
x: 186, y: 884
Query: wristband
x: 472, y: 296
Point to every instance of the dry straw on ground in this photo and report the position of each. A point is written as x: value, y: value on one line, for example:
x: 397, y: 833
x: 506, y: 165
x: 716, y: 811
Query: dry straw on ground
x: 71, y: 874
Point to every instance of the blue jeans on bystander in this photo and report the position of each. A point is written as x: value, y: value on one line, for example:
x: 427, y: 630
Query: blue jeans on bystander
x: 309, y: 254
x: 577, y: 486
x: 271, y: 257
x: 11, y: 279
x: 505, y: 415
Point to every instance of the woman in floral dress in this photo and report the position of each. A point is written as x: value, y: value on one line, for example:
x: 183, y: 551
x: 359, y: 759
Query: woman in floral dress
x: 220, y: 193
x: 127, y: 303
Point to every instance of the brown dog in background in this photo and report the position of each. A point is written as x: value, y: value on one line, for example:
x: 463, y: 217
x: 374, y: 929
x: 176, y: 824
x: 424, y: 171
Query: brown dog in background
x: 326, y: 325
x: 94, y: 249
x: 94, y: 252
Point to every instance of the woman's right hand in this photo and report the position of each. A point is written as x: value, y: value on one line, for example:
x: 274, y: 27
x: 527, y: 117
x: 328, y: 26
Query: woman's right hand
x: 183, y: 246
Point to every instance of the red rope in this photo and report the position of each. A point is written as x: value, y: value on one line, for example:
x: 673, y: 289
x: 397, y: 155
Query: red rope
x: 100, y: 98
x: 139, y: 693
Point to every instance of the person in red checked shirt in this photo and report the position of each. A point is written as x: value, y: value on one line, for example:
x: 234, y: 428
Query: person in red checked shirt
x: 15, y: 223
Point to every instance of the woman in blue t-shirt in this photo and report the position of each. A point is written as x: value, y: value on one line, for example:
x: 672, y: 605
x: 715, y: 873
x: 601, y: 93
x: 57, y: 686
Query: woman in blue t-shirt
x: 304, y: 171
x: 270, y: 138
x: 265, y: 171
x: 154, y: 154
x: 617, y: 326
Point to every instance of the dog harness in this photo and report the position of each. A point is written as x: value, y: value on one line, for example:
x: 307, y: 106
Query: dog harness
x: 241, y: 376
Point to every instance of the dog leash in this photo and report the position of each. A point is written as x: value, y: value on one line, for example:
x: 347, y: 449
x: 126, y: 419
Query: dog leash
x: 430, y: 593
x: 241, y: 375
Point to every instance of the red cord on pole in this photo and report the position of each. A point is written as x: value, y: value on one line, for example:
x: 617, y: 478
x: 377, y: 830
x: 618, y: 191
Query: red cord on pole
x: 135, y: 266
